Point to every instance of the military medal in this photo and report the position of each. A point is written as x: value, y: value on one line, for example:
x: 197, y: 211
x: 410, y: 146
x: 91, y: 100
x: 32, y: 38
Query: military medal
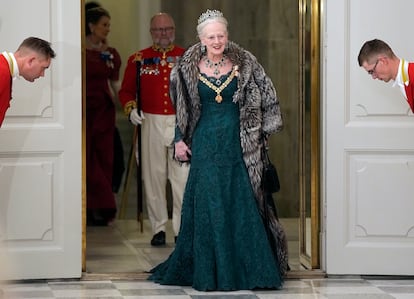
x: 170, y: 61
x: 163, y: 62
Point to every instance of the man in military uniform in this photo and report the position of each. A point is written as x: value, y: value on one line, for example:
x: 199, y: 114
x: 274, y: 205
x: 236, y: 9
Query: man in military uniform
x: 157, y: 120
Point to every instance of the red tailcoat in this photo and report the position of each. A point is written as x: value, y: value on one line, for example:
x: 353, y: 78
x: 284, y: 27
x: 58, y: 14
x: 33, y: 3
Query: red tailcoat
x: 5, y: 87
x: 155, y: 79
x: 409, y: 89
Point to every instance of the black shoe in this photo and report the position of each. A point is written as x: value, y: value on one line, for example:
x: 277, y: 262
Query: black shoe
x: 94, y: 218
x: 158, y: 239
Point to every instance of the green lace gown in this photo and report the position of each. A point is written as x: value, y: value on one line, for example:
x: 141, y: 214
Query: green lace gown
x: 222, y: 244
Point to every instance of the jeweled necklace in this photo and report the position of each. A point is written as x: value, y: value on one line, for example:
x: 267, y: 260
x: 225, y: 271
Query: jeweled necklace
x: 94, y: 46
x: 220, y: 88
x: 215, y: 65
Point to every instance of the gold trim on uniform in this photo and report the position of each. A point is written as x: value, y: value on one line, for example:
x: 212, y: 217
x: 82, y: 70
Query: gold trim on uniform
x: 129, y: 106
x: 137, y: 57
x: 162, y: 50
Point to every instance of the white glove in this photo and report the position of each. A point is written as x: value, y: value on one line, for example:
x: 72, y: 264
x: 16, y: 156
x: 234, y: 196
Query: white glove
x: 136, y: 118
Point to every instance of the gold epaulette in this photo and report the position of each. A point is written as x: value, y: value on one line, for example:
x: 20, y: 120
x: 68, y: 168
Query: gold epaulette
x: 137, y: 56
x: 129, y: 106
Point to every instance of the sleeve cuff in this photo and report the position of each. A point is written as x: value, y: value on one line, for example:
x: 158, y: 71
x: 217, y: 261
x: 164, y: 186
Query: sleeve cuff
x: 129, y: 106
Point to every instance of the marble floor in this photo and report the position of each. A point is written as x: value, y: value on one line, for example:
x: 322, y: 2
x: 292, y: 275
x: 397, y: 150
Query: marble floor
x: 327, y: 288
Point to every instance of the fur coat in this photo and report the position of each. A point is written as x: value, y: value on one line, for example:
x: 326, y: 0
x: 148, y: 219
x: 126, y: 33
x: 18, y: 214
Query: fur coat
x: 260, y: 113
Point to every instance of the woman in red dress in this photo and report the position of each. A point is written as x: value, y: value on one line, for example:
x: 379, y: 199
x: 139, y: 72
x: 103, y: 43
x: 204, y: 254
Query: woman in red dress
x: 102, y: 74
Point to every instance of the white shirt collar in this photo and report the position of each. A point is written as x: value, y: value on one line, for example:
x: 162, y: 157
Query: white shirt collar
x: 402, y: 67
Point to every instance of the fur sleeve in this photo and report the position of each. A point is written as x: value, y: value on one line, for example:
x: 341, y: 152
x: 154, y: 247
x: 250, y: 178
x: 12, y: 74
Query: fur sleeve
x: 272, y: 121
x: 179, y: 96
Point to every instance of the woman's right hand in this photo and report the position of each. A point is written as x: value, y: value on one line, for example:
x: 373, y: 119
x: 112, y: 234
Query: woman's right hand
x: 182, y: 152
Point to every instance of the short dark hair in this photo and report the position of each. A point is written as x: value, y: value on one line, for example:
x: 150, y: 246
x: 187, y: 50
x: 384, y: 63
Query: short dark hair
x: 373, y: 48
x: 91, y: 4
x: 93, y: 16
x: 38, y: 45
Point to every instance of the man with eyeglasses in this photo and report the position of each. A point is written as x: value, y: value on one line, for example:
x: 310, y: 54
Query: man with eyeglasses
x: 378, y: 59
x: 156, y: 116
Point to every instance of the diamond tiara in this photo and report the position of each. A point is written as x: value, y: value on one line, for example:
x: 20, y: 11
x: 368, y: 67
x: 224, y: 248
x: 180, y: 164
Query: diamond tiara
x: 209, y: 14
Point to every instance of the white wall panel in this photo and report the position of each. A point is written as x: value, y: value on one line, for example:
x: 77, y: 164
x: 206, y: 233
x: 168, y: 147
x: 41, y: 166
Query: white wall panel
x: 382, y: 206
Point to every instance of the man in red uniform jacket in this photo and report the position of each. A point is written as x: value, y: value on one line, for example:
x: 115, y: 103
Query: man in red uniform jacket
x: 378, y: 59
x: 157, y: 120
x: 30, y: 61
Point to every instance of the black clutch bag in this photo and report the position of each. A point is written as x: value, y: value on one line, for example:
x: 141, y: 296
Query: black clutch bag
x: 270, y: 177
